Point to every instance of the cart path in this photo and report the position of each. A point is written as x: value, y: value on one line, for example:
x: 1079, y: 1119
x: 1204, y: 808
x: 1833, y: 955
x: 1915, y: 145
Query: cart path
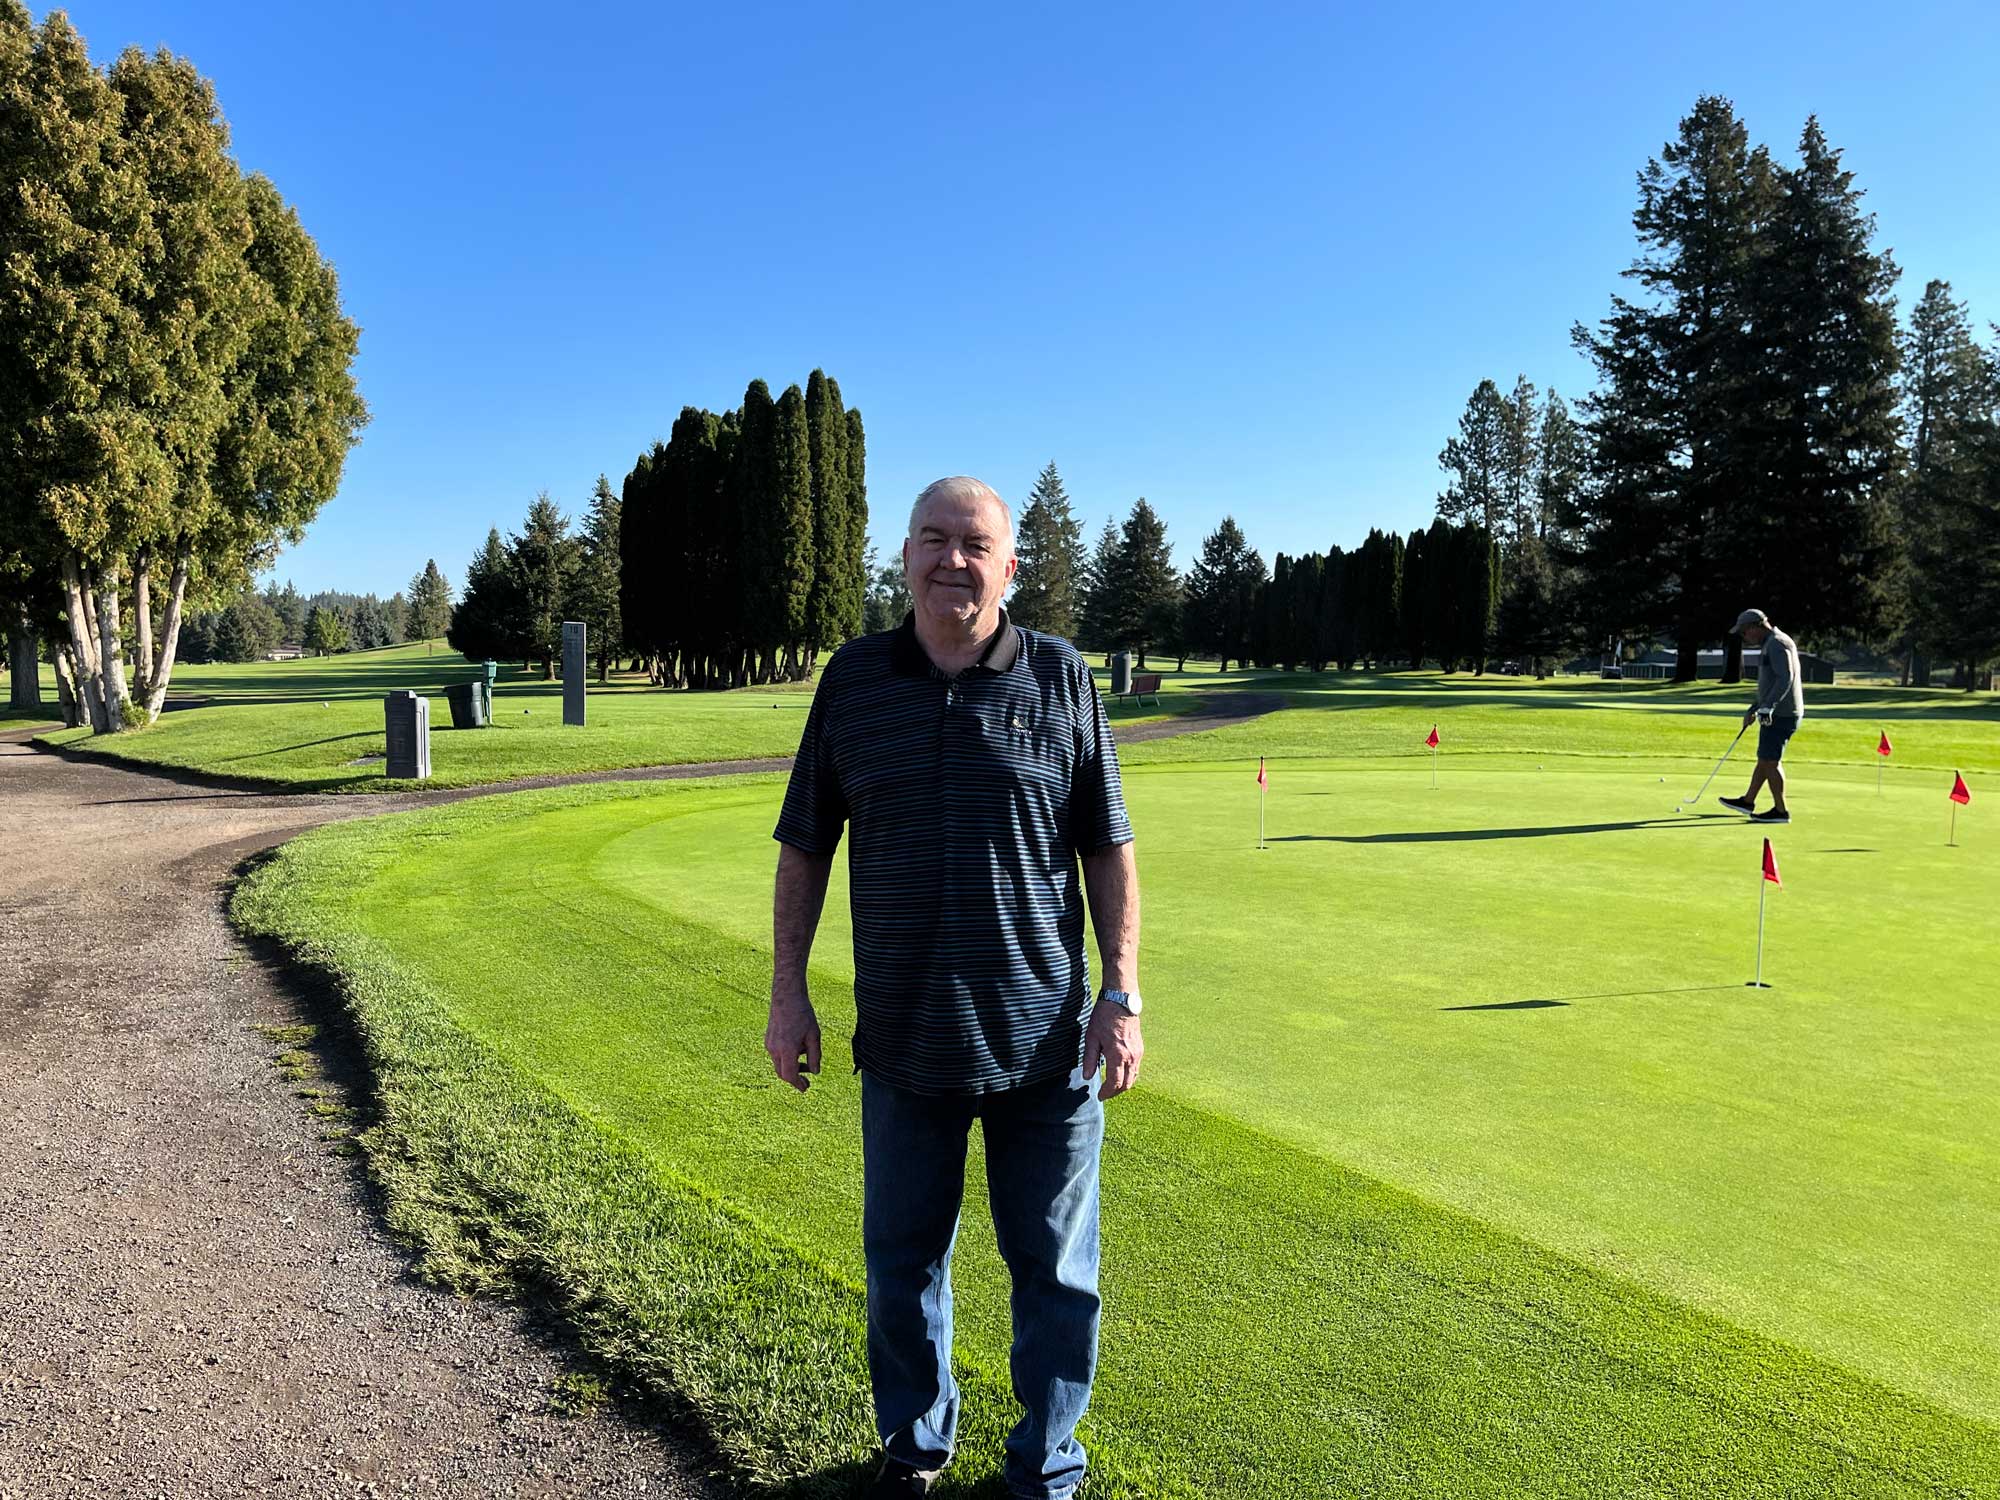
x: 197, y: 1295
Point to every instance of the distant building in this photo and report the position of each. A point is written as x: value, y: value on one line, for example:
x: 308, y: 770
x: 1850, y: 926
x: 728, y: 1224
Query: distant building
x: 1660, y: 664
x: 286, y: 652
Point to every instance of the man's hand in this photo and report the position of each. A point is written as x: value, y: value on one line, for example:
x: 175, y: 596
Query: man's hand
x: 1112, y: 1039
x: 792, y: 1033
x: 1749, y: 716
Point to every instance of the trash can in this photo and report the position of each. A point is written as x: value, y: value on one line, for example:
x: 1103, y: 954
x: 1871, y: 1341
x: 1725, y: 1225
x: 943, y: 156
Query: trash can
x: 1121, y: 673
x: 492, y: 676
x: 468, y: 704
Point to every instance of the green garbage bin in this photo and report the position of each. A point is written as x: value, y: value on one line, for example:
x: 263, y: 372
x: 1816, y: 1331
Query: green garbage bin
x: 468, y: 704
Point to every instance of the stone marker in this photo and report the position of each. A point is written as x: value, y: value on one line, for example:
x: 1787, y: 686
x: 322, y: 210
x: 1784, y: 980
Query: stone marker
x: 574, y: 671
x: 407, y: 721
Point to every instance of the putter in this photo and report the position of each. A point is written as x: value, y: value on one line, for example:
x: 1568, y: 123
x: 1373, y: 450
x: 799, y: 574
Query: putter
x: 1716, y: 772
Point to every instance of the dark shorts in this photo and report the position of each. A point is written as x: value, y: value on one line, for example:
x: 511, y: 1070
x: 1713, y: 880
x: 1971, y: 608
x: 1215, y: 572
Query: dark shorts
x: 1771, y: 737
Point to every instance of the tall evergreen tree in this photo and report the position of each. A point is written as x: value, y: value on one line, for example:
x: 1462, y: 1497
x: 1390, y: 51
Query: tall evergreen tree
x: 1674, y: 418
x: 1046, y: 589
x: 1949, y: 501
x: 758, y: 548
x: 1415, y: 600
x: 1477, y: 460
x: 830, y: 598
x: 543, y: 561
x: 1149, y: 593
x: 1824, y: 451
x: 594, y: 598
x: 793, y: 542
x: 1221, y: 592
x: 1520, y: 434
x: 486, y: 608
x: 1562, y: 455
x: 857, y: 504
x: 429, y: 603
x: 645, y: 560
x: 1103, y: 594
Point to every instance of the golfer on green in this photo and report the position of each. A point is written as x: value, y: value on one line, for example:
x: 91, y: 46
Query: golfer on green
x: 1780, y: 704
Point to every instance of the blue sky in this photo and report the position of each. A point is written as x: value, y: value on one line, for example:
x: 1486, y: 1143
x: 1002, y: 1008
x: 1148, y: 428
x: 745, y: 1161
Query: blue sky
x: 1243, y: 260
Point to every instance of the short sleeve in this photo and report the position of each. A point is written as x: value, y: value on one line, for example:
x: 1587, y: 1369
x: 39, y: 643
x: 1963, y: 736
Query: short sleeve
x: 1097, y: 817
x: 815, y: 808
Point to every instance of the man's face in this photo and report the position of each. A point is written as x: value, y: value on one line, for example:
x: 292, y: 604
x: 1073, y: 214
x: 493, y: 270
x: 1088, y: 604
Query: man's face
x: 959, y: 559
x: 1754, y: 635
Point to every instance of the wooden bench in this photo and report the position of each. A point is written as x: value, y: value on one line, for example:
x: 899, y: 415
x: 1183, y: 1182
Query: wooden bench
x: 1145, y: 685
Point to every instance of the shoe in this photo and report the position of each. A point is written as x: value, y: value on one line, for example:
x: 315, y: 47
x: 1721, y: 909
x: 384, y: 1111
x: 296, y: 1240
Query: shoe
x: 1773, y: 816
x: 1739, y: 804
x: 896, y: 1479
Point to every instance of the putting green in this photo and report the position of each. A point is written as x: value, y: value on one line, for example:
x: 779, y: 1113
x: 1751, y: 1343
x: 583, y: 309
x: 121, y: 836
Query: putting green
x: 1465, y: 1161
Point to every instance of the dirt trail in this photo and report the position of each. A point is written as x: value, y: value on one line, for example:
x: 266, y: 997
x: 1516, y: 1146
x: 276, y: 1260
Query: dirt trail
x: 196, y: 1294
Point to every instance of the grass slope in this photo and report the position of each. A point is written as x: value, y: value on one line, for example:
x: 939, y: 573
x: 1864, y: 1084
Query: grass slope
x: 1465, y: 1166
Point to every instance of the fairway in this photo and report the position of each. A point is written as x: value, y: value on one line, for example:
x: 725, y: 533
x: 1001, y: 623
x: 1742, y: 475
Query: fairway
x: 1465, y: 1163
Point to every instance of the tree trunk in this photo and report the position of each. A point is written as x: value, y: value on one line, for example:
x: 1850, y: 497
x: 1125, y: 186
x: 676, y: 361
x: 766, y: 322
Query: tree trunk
x: 142, y: 623
x: 66, y: 677
x: 162, y: 669
x: 1732, y: 658
x: 1920, y: 669
x: 1687, y: 654
x: 83, y: 643
x: 25, y: 691
x: 111, y: 648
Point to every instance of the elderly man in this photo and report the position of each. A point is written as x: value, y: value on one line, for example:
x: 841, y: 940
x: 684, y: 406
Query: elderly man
x: 972, y: 765
x: 1780, y: 704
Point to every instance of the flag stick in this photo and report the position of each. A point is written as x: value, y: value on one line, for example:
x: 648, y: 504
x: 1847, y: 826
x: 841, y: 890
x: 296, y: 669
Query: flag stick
x: 1763, y: 895
x: 1260, y: 814
x: 1878, y: 775
x: 1434, y: 767
x: 1951, y: 839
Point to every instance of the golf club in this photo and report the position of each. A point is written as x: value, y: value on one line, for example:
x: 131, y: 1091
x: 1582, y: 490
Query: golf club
x: 1712, y: 774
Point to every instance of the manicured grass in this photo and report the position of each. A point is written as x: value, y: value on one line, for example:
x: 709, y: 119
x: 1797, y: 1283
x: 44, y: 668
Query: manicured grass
x: 316, y: 724
x: 1464, y: 1164
x: 303, y: 725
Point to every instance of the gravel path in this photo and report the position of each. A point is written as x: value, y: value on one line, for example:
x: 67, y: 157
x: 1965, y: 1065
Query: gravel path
x: 197, y: 1297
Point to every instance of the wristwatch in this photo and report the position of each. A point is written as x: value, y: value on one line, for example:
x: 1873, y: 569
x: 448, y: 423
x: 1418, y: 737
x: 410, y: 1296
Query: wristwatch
x: 1127, y: 999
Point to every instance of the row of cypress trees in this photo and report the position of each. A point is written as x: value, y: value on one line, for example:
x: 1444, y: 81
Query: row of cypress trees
x: 1430, y: 598
x: 743, y: 539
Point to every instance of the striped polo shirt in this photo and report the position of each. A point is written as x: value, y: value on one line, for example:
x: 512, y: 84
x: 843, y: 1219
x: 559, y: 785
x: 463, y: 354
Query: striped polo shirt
x: 967, y: 800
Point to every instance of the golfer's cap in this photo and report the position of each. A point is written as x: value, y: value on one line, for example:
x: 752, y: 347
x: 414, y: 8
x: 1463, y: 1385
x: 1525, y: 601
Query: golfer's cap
x: 1748, y: 618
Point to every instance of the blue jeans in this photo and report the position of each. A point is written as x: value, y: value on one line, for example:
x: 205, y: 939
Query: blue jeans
x: 1042, y: 1146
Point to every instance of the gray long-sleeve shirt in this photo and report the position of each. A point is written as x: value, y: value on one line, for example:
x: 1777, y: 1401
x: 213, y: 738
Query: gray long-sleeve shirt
x: 1778, y: 687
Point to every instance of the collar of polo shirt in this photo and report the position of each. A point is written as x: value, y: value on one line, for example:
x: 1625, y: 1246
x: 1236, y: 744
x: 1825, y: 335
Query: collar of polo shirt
x: 908, y: 657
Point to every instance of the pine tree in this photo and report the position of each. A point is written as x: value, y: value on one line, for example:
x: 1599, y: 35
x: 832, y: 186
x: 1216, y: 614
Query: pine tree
x: 756, y: 550
x: 1519, y: 460
x: 1949, y: 501
x: 1046, y: 590
x: 1103, y: 594
x: 1477, y: 460
x: 1825, y: 452
x: 1221, y: 594
x: 648, y: 566
x: 1674, y: 421
x: 429, y: 603
x: 1149, y: 591
x: 594, y: 599
x: 1562, y: 456
x: 542, y: 564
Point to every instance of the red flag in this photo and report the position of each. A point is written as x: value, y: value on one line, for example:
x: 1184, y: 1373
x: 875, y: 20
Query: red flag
x: 1432, y: 742
x: 1883, y: 748
x: 1260, y: 772
x: 1771, y: 866
x: 1960, y: 792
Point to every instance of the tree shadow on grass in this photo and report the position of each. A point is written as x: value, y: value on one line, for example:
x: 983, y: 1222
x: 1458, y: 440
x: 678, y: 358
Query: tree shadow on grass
x: 1463, y: 835
x: 1551, y: 1003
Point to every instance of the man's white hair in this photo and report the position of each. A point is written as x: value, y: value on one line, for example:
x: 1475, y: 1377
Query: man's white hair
x: 962, y: 487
